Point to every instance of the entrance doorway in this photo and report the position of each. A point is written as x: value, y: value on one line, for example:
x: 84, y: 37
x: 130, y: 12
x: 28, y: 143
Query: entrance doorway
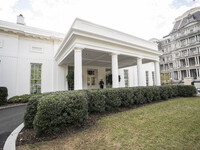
x: 92, y: 79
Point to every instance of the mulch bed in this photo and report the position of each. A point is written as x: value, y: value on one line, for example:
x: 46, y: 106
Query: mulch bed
x: 28, y: 136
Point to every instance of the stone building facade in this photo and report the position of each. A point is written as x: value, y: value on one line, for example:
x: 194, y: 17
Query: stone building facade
x: 181, y: 50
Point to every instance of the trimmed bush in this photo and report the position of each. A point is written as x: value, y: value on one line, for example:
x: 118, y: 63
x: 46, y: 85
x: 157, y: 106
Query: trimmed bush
x: 148, y: 94
x: 164, y: 92
x: 57, y: 111
x: 186, y: 90
x: 138, y: 95
x: 156, y: 93
x: 112, y: 99
x: 31, y: 110
x: 49, y: 113
x: 126, y: 96
x: 19, y: 99
x: 96, y: 101
x: 3, y: 95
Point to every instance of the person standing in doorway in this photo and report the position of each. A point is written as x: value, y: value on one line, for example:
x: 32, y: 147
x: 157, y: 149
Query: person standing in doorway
x: 101, y: 83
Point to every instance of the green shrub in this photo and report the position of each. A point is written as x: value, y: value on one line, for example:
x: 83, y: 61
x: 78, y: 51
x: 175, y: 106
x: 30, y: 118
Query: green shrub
x: 19, y: 99
x: 31, y: 110
x: 56, y: 111
x: 174, y: 91
x: 186, y: 90
x: 164, y: 92
x: 50, y: 112
x: 126, y: 96
x: 3, y: 95
x: 112, y: 99
x: 156, y: 93
x: 148, y: 94
x: 96, y: 101
x: 138, y: 95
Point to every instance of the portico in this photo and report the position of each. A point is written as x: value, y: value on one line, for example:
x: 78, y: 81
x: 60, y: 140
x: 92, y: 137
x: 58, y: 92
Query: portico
x: 90, y: 45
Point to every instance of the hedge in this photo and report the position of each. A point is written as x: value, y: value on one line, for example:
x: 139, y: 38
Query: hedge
x: 57, y: 111
x: 3, y: 95
x: 51, y: 112
x: 96, y: 101
x: 31, y: 110
x: 19, y: 99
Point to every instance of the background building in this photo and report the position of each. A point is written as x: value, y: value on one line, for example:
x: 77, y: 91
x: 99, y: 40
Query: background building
x: 181, y: 50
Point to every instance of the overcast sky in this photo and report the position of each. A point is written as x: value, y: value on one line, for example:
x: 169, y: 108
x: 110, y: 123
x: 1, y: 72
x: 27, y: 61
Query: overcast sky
x: 142, y: 18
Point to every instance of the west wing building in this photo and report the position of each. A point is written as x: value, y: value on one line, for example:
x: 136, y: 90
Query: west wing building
x: 34, y: 60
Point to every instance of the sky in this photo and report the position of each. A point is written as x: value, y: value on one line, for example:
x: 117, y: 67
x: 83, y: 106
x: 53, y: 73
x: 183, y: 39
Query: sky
x: 142, y: 18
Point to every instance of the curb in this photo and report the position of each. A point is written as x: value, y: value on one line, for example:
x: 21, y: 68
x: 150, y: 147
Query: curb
x: 12, y: 106
x: 10, y: 143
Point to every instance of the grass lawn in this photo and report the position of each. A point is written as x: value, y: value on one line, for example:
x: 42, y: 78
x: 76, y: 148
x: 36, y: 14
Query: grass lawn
x: 172, y: 124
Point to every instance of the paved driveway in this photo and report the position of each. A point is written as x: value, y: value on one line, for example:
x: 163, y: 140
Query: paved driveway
x: 10, y: 118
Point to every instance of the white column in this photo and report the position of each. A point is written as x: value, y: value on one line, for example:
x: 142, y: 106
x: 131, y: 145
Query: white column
x: 78, y: 81
x: 189, y: 72
x: 199, y: 72
x: 157, y: 73
x: 139, y: 71
x: 115, y: 78
x: 180, y: 75
x: 195, y: 59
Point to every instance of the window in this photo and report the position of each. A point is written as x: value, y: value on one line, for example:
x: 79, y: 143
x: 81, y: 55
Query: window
x: 126, y: 78
x: 147, y: 78
x: 183, y: 74
x: 192, y: 61
x: 184, y: 53
x: 70, y: 70
x: 153, y: 77
x: 183, y: 42
x: 193, y: 73
x: 193, y: 51
x: 182, y: 62
x: 191, y: 19
x: 183, y: 32
x: 175, y: 75
x: 177, y: 54
x: 192, y: 39
x: 36, y: 78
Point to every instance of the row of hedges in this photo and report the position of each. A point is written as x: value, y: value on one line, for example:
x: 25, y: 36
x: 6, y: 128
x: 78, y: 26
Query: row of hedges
x: 3, y: 95
x: 19, y: 99
x: 51, y: 112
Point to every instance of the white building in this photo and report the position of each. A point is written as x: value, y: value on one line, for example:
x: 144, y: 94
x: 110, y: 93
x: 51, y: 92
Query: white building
x: 34, y: 60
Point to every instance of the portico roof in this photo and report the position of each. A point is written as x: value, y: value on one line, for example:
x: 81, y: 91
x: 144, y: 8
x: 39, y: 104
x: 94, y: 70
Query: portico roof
x: 98, y: 42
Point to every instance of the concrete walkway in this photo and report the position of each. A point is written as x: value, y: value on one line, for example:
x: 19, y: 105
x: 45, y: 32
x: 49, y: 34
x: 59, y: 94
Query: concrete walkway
x: 10, y: 118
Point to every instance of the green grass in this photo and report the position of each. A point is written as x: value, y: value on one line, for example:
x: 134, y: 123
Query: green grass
x: 172, y: 124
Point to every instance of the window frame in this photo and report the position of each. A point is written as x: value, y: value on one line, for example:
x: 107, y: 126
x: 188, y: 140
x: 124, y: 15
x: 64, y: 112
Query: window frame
x: 35, y: 80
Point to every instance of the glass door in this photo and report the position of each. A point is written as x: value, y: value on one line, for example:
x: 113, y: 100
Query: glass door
x: 92, y: 79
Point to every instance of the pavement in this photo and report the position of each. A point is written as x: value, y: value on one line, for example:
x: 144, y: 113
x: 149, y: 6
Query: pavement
x: 10, y: 118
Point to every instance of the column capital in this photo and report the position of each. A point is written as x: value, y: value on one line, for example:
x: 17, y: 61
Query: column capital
x: 78, y: 48
x: 138, y: 58
x: 114, y: 54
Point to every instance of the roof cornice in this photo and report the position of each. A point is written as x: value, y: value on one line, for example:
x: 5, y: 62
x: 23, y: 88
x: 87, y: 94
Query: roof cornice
x: 87, y: 29
x: 191, y: 11
x: 30, y: 31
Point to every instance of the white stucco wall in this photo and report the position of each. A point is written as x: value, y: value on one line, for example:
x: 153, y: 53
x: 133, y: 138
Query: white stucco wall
x: 16, y: 55
x: 132, y: 73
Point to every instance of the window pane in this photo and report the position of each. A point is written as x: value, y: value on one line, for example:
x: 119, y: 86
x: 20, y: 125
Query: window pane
x: 35, y: 78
